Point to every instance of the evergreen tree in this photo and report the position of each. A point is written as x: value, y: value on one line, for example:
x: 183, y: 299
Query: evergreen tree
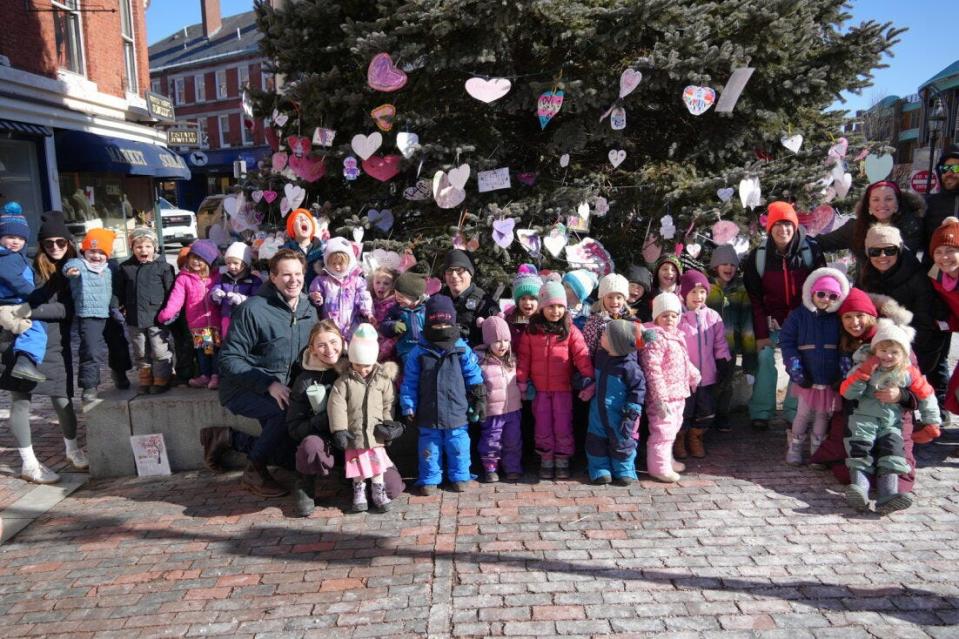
x: 804, y: 55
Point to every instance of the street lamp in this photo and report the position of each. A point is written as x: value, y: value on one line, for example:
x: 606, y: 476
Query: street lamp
x: 935, y: 120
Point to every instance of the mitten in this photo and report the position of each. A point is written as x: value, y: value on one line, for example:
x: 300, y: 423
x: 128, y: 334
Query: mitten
x: 235, y: 298
x: 217, y: 295
x: 342, y: 439
x: 477, y: 403
x: 399, y: 327
x: 117, y: 315
x: 925, y: 434
x: 588, y: 391
x: 649, y: 336
x: 389, y: 431
x: 530, y: 392
x: 867, y: 368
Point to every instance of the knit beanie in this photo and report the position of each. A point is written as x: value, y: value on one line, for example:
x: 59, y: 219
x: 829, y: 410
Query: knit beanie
x: 582, y: 283
x: 291, y: 223
x: 526, y: 282
x: 883, y: 235
x: 946, y: 235
x: 440, y: 310
x: 241, y: 251
x: 724, y: 254
x: 858, y: 301
x: 637, y: 274
x: 690, y: 280
x: 458, y: 258
x: 613, y: 283
x: 495, y: 329
x: 12, y: 221
x: 412, y: 285
x: 364, y: 346
x: 206, y: 250
x: 99, y: 240
x: 886, y: 329
x: 672, y: 259
x: 143, y: 233
x: 827, y: 284
x: 53, y: 224
x: 621, y: 337
x: 666, y: 302
x: 552, y: 293
x: 781, y: 212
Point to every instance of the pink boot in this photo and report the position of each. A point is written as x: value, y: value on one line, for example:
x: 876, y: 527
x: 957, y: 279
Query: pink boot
x: 214, y: 382
x: 199, y: 382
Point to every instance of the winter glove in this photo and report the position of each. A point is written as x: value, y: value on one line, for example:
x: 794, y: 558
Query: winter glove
x: 235, y: 298
x: 925, y: 434
x: 649, y: 336
x: 477, y: 403
x: 389, y: 431
x: 399, y: 327
x: 217, y: 295
x: 117, y: 315
x: 409, y: 420
x: 724, y: 368
x: 588, y: 391
x: 530, y: 392
x: 867, y: 368
x: 796, y: 373
x: 342, y: 439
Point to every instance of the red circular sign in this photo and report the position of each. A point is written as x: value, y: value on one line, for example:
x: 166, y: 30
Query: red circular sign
x: 919, y: 180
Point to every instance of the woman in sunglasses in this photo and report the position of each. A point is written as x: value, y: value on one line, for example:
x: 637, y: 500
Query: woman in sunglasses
x: 51, y: 302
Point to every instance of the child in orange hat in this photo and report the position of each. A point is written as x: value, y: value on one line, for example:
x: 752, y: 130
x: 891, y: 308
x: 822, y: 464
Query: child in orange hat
x: 303, y: 230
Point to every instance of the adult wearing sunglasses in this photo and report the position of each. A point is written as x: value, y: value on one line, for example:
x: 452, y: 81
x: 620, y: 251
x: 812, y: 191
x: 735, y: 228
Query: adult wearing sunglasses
x: 51, y: 302
x: 945, y: 203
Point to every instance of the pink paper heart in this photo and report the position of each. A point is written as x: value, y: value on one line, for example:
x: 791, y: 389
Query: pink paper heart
x: 382, y: 168
x: 503, y: 232
x: 299, y: 145
x: 817, y: 220
x: 383, y: 75
x: 528, y: 178
x: 433, y: 286
x: 724, y: 231
x: 309, y: 168
x: 269, y: 196
x: 279, y: 161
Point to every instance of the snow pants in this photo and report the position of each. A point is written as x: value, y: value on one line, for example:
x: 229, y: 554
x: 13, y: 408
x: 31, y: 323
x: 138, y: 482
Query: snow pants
x: 762, y: 404
x: 32, y: 342
x: 863, y: 432
x: 434, y: 443
x: 553, y: 411
x: 502, y: 441
x: 608, y: 458
x: 662, y: 434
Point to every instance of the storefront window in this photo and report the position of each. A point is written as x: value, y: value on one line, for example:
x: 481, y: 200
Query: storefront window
x: 105, y: 200
x: 20, y: 178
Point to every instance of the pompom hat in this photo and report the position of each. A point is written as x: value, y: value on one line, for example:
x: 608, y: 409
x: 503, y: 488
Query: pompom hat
x: 581, y: 282
x: 364, y: 345
x: 946, y: 235
x: 12, y: 221
x: 526, y: 282
x: 666, y: 302
x: 552, y: 293
x: 613, y: 283
x: 858, y: 301
x: 888, y: 330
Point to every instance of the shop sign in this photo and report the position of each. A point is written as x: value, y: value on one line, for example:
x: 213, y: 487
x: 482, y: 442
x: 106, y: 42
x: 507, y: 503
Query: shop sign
x: 160, y: 107
x: 183, y: 137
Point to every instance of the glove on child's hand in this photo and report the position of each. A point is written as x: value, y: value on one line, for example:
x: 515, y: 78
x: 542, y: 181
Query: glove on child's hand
x: 587, y: 393
x: 530, y: 392
x: 117, y: 315
x: 389, y: 431
x: 342, y: 439
x: 477, y: 403
x: 399, y: 327
x: 796, y: 372
x: 235, y: 298
x: 317, y: 298
x: 217, y: 295
x: 867, y: 368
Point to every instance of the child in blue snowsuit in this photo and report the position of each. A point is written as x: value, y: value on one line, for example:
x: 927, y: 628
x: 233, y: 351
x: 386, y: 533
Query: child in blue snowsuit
x: 16, y: 282
x: 442, y: 391
x: 616, y: 407
x: 405, y: 320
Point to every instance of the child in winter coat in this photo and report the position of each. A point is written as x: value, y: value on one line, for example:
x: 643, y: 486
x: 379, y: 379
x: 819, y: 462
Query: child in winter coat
x: 615, y: 409
x: 191, y: 294
x: 579, y: 285
x: 613, y: 291
x: 670, y: 379
x: 383, y: 291
x: 302, y: 231
x: 341, y: 288
x: 16, y: 282
x: 810, y: 343
x: 359, y: 408
x: 143, y: 283
x: 668, y: 270
x: 702, y: 327
x: 442, y: 391
x: 404, y: 323
x: 526, y: 286
x: 729, y: 298
x: 91, y: 284
x: 640, y: 297
x: 237, y: 282
x: 549, y: 353
x: 876, y: 425
x: 501, y: 439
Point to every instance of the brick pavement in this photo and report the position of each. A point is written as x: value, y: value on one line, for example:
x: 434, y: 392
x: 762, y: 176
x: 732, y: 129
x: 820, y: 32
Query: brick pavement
x: 744, y: 546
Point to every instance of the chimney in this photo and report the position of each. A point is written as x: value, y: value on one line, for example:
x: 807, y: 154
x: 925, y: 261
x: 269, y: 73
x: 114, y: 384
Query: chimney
x: 210, y: 10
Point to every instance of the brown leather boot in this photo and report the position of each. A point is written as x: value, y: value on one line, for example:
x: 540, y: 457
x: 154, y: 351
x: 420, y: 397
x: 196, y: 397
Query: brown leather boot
x: 679, y: 446
x: 696, y: 448
x: 160, y: 385
x: 144, y: 380
x: 215, y: 440
x: 259, y: 481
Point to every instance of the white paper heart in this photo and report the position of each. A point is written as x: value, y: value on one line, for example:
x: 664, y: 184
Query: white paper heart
x: 564, y: 160
x: 878, y: 167
x: 257, y: 195
x: 366, y: 145
x: 280, y: 119
x: 459, y: 176
x: 556, y: 240
x: 792, y: 142
x: 446, y: 195
x: 694, y: 249
x: 628, y: 81
x: 583, y: 210
x: 285, y: 207
x: 842, y: 186
x: 294, y: 195
x: 725, y: 194
x: 358, y: 234
x: 698, y: 99
x: 530, y: 241
x: 231, y: 205
x: 488, y: 90
x: 616, y: 157
x: 600, y: 206
x: 750, y: 193
x: 407, y: 142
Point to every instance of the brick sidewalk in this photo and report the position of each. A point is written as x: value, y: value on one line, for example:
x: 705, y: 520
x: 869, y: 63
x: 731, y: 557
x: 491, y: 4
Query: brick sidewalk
x: 745, y: 546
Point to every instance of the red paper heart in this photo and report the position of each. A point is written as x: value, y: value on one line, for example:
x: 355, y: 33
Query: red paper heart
x: 382, y: 168
x: 310, y: 168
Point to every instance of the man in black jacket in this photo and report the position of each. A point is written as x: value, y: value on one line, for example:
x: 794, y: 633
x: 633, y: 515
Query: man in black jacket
x: 470, y: 301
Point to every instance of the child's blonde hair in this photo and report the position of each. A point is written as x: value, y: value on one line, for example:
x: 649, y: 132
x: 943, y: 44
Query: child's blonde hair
x: 338, y: 256
x: 897, y: 375
x: 204, y: 270
x: 385, y: 270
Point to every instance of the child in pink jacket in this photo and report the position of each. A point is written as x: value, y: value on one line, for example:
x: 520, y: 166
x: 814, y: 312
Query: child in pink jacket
x: 708, y: 350
x: 500, y: 440
x: 549, y: 352
x: 191, y: 294
x: 670, y: 377
x: 341, y: 289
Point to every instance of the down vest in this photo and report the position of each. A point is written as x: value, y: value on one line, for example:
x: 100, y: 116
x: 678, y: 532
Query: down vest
x: 92, y: 291
x: 549, y: 362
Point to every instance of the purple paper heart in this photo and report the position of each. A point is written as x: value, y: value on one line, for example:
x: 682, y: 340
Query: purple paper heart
x: 503, y: 232
x: 383, y: 75
x: 383, y: 220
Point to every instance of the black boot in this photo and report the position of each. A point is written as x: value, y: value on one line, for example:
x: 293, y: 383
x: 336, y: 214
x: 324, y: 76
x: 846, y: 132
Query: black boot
x: 27, y: 370
x: 303, y: 497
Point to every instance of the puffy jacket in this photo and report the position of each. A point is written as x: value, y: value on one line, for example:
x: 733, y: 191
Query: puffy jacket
x: 939, y: 206
x: 16, y: 276
x: 357, y: 404
x: 413, y: 318
x: 264, y: 343
x: 191, y: 294
x: 306, y: 415
x: 777, y: 291
x: 669, y: 373
x: 862, y: 387
x: 91, y: 291
x: 620, y: 389
x: 245, y: 285
x: 435, y: 384
x: 142, y: 288
x: 346, y: 301
x: 705, y: 341
x: 549, y: 362
x: 908, y: 283
x: 502, y: 393
x: 470, y: 305
x: 732, y: 304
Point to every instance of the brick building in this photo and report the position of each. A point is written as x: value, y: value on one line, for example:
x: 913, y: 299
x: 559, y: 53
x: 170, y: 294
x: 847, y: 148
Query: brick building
x: 204, y: 68
x: 75, y: 132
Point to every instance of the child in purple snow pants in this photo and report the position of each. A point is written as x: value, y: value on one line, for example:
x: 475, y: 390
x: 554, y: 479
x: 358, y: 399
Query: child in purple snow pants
x: 500, y: 439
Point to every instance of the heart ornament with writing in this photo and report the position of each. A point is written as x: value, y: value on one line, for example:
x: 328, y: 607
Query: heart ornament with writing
x: 530, y: 241
x: 651, y: 250
x: 294, y: 195
x: 280, y: 119
x: 488, y: 90
x: 548, y: 106
x: 694, y: 249
x: 842, y: 185
x: 878, y: 167
x: 366, y: 145
x: 724, y: 232
x: 323, y: 137
x: 817, y: 220
x: 309, y: 168
x: 383, y: 117
x: 407, y: 142
x: 628, y: 81
x: 419, y: 192
x: 382, y: 167
x: 459, y: 176
x: 600, y: 206
x: 460, y: 242
x: 698, y: 99
x: 383, y: 75
x: 616, y: 157
x: 556, y: 240
x: 792, y: 142
x: 278, y: 161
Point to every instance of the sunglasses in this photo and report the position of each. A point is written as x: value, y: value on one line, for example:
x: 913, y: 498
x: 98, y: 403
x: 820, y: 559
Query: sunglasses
x: 59, y: 243
x: 950, y: 168
x: 832, y: 297
x: 888, y: 251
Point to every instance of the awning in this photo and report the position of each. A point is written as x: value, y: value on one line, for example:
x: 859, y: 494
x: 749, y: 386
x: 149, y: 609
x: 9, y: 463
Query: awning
x: 25, y: 127
x: 87, y: 152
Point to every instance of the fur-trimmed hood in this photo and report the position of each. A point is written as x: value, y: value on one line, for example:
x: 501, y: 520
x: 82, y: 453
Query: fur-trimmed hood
x: 824, y: 272
x: 890, y: 308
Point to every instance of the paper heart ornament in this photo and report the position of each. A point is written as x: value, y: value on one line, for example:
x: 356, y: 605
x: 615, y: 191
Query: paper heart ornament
x: 231, y: 205
x: 724, y: 231
x: 268, y: 246
x: 527, y: 177
x: 383, y: 116
x: 294, y: 195
x: 828, y: 194
x: 407, y: 142
x: 377, y: 258
x: 792, y: 142
x: 420, y: 191
x: 616, y: 157
x: 459, y: 176
x: 628, y: 81
x: 503, y: 232
x: 366, y: 145
x: 280, y: 119
x: 725, y: 194
x: 818, y: 220
x: 323, y: 137
x: 460, y: 242
x: 617, y: 119
x: 842, y: 185
x: 564, y: 160
x: 257, y: 195
x: 591, y: 255
x: 651, y: 250
x: 530, y: 241
x: 383, y: 75
x: 270, y: 196
x: 285, y: 207
x: 299, y: 145
x: 600, y: 206
x: 839, y: 149
x: 750, y: 192
x: 556, y: 240
x: 878, y: 167
x: 694, y: 249
x: 358, y: 234
x: 278, y: 161
x: 219, y: 235
x: 698, y: 99
x: 382, y: 168
x: 309, y: 168
x: 583, y: 210
x: 446, y: 195
x: 548, y: 106
x: 838, y: 170
x: 488, y: 90
x: 433, y: 286
x: 382, y: 220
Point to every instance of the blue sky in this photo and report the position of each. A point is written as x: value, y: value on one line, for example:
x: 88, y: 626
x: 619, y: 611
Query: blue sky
x: 923, y: 51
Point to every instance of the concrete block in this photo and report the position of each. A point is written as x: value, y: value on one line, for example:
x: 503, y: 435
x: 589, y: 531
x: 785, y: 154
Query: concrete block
x: 108, y: 435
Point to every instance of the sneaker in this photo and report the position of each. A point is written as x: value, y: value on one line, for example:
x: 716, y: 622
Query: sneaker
x: 380, y: 500
x: 857, y: 498
x: 898, y: 501
x: 359, y: 497
x: 459, y: 486
x: 491, y: 477
x: 27, y: 370
x: 120, y: 380
x: 602, y: 480
x: 78, y: 459
x: 214, y: 382
x: 428, y: 490
x: 89, y: 395
x: 39, y: 474
x: 199, y: 382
